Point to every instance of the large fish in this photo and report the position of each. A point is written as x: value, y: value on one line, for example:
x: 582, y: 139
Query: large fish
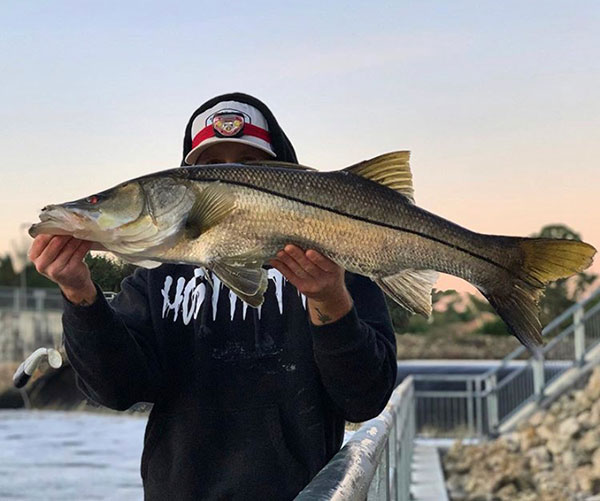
x: 233, y: 218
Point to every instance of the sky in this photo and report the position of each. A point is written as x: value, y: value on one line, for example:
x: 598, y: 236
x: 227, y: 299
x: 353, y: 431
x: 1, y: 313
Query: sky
x: 498, y: 101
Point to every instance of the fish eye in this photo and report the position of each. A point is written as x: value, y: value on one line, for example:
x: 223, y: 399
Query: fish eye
x: 92, y: 200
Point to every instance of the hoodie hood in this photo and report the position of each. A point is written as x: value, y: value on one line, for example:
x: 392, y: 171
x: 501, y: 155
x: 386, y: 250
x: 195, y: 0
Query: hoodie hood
x: 280, y: 143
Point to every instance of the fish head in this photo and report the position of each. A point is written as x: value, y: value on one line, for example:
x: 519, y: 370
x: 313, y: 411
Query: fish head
x: 96, y: 217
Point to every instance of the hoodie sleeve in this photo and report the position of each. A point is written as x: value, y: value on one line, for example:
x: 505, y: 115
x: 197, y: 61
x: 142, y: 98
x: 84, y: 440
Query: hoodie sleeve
x: 356, y: 355
x: 116, y: 364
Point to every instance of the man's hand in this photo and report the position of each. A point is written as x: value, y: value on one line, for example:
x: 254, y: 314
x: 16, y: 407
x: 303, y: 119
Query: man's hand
x: 319, y: 279
x: 60, y: 258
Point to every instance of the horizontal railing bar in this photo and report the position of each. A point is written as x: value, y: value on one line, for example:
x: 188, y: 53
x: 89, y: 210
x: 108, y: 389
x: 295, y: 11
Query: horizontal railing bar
x: 446, y: 377
x: 448, y: 394
x: 350, y: 473
x: 512, y: 376
x: 593, y: 310
x: 558, y: 338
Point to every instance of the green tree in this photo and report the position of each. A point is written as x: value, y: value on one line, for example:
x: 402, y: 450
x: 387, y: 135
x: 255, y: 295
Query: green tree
x: 108, y: 273
x: 7, y: 273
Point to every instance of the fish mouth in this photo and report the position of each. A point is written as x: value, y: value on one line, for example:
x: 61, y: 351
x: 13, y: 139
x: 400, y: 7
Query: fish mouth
x: 57, y: 220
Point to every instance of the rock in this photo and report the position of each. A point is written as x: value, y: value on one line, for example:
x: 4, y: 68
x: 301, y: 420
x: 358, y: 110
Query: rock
x: 557, y: 445
x: 596, y: 462
x: 554, y: 456
x: 537, y: 418
x: 593, y: 386
x: 595, y: 414
x: 569, y: 427
x: 569, y: 459
x: 584, y: 477
x: 545, y: 432
x: 539, y: 459
x: 585, y: 420
x: 512, y: 441
x: 529, y: 438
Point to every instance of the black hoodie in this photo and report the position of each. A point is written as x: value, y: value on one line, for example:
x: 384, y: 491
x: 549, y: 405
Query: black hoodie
x: 248, y: 403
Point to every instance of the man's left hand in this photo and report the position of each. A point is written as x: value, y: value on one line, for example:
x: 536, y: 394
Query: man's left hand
x: 319, y: 279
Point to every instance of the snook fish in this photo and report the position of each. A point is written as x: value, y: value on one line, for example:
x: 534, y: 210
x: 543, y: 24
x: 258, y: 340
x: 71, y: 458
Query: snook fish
x: 233, y: 218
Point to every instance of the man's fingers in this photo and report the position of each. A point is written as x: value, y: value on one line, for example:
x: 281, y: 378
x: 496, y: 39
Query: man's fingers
x: 48, y: 255
x: 63, y: 258
x: 80, y: 252
x: 325, y: 264
x: 299, y: 263
x: 291, y: 263
x: 39, y: 244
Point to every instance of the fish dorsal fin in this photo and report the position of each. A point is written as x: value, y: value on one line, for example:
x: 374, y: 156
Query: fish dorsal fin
x: 212, y: 205
x: 276, y: 163
x: 411, y: 289
x: 391, y: 170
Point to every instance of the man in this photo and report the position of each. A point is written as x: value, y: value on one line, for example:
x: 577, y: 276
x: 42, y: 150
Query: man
x: 248, y: 403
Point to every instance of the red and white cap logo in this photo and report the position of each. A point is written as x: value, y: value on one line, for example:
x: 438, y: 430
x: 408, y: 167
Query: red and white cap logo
x: 229, y: 121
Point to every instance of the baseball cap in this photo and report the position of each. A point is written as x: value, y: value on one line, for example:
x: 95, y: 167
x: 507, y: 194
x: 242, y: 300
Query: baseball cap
x: 229, y: 121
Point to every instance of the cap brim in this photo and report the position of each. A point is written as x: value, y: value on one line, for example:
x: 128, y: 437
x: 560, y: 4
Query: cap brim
x: 192, y: 156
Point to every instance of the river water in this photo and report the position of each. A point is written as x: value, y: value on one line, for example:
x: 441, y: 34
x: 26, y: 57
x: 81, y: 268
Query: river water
x: 74, y: 456
x: 83, y: 456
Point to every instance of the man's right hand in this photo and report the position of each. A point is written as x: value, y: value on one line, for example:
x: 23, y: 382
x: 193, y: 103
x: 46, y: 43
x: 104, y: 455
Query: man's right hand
x: 60, y: 258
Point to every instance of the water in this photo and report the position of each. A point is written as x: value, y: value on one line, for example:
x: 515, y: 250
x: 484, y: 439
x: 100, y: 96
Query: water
x: 53, y: 455
x: 75, y: 456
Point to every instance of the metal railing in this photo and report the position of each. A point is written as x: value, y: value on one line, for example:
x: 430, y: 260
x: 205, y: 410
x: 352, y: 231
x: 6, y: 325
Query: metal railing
x: 17, y: 299
x: 461, y: 406
x: 376, y: 461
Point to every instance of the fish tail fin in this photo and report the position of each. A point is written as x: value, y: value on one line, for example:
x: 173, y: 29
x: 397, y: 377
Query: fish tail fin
x: 548, y: 259
x: 542, y: 260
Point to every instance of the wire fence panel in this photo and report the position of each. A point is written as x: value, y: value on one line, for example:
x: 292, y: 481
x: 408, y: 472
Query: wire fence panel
x: 592, y: 327
x: 514, y: 389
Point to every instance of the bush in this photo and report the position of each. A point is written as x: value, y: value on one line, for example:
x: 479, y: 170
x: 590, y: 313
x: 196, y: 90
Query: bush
x: 496, y: 326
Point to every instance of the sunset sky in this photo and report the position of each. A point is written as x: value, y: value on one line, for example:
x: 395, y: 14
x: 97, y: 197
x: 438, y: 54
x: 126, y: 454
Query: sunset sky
x: 498, y: 101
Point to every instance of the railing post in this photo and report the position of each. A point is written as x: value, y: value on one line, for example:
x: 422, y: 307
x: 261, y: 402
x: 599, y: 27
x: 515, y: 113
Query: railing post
x: 579, y: 338
x: 470, y: 421
x: 539, y: 380
x: 492, y: 403
x: 16, y: 300
x: 478, y: 407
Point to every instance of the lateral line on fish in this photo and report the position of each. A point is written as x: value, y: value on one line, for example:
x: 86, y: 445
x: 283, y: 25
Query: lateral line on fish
x: 365, y: 220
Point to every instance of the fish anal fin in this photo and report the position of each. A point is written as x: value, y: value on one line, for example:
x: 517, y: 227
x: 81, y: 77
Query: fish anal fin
x: 411, y: 289
x: 213, y: 204
x: 391, y: 170
x: 248, y: 283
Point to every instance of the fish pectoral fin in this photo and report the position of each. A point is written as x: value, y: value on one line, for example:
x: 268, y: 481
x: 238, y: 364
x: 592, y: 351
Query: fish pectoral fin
x: 213, y: 204
x: 391, y: 170
x: 411, y: 289
x: 248, y: 283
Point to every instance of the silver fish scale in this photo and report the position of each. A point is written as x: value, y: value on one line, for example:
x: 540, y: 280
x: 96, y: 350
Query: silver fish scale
x: 363, y: 226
